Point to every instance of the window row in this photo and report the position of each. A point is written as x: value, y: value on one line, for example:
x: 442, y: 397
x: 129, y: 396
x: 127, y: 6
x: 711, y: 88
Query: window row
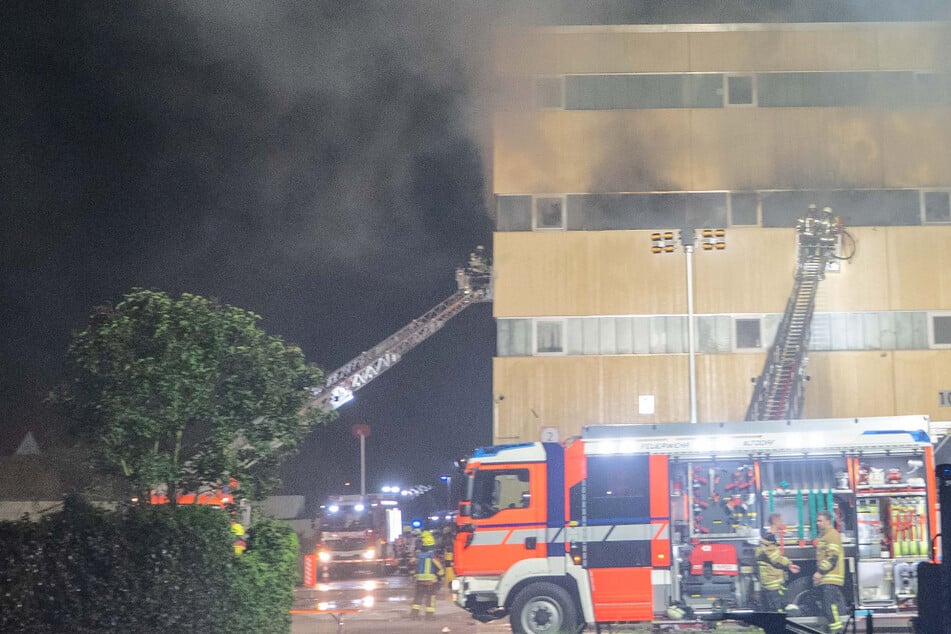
x: 718, y: 334
x: 600, y: 212
x: 893, y: 89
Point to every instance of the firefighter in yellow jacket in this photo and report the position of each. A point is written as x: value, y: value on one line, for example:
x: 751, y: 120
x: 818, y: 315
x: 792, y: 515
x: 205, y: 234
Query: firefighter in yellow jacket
x: 428, y: 571
x: 830, y: 571
x: 773, y: 566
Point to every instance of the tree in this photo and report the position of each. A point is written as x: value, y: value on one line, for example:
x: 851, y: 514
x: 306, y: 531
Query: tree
x: 186, y: 392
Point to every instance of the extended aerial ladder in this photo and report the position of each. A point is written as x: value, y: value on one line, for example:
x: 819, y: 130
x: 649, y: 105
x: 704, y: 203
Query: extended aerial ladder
x: 780, y: 389
x: 474, y: 285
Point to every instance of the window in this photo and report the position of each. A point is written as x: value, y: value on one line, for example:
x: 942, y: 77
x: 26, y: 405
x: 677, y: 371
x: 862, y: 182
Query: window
x: 550, y: 337
x: 624, y: 92
x: 744, y: 208
x: 937, y: 207
x: 748, y: 333
x: 548, y: 92
x: 514, y: 337
x: 514, y: 213
x: 617, y: 490
x: 940, y: 327
x: 739, y: 90
x: 549, y: 213
x: 492, y: 491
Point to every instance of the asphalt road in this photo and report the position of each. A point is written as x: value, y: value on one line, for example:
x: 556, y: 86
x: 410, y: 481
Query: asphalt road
x: 379, y: 605
x: 374, y: 605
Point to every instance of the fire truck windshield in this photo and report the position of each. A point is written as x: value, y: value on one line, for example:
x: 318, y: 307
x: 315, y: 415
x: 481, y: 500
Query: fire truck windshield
x: 345, y: 518
x: 491, y: 491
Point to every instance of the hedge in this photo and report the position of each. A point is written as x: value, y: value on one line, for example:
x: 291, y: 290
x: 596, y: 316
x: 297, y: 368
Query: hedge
x: 144, y: 569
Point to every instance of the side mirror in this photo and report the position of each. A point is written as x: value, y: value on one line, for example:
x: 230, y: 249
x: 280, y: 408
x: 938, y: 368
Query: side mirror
x: 465, y: 509
x: 467, y: 528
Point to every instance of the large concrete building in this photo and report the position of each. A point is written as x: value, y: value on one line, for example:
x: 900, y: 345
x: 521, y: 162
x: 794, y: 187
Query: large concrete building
x: 613, y: 132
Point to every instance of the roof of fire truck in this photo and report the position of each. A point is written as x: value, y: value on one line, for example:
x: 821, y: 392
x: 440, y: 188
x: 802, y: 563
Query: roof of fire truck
x: 789, y: 437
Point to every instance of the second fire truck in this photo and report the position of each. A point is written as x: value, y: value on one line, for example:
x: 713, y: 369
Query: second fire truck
x: 357, y: 533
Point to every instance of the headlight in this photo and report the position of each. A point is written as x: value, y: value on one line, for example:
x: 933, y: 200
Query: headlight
x: 323, y: 556
x: 369, y: 554
x: 455, y: 586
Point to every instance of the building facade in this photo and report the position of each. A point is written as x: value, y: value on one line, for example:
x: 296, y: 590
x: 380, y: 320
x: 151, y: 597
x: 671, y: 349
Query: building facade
x: 610, y: 133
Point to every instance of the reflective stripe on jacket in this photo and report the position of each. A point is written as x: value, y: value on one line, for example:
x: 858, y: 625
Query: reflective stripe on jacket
x: 772, y: 565
x: 427, y: 566
x: 830, y: 558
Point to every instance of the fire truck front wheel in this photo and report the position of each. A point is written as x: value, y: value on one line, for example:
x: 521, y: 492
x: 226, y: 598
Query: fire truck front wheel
x: 544, y: 608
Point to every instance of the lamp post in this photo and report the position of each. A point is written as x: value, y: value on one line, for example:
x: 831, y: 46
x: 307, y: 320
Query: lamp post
x: 691, y: 329
x: 710, y: 239
x: 361, y: 431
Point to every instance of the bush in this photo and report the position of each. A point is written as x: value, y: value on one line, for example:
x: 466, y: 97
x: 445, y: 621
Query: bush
x: 264, y: 583
x: 143, y: 569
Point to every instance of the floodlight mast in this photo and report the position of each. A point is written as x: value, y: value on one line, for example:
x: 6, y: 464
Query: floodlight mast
x: 474, y: 285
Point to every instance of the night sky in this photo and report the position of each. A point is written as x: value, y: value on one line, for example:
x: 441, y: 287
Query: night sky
x: 322, y: 163
x: 312, y: 162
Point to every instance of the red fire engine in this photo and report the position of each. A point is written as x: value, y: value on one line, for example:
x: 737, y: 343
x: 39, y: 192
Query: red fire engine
x: 637, y: 523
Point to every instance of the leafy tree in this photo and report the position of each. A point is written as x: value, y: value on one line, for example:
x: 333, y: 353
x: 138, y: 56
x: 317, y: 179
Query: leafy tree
x: 186, y: 392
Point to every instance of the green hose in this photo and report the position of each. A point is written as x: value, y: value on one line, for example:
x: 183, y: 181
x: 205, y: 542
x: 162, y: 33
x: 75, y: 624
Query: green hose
x: 799, y: 511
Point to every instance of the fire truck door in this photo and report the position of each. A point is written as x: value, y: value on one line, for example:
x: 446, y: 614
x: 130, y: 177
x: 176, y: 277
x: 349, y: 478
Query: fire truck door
x: 622, y: 510
x: 507, y: 518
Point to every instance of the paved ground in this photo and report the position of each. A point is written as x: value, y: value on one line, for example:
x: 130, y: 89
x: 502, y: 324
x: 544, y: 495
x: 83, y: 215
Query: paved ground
x: 388, y: 611
x: 381, y: 605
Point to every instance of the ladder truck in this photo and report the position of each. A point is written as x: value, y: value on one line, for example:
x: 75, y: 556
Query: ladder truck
x: 474, y: 285
x: 780, y: 389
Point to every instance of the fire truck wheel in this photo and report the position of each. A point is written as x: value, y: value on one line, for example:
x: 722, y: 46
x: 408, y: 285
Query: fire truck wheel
x: 544, y: 608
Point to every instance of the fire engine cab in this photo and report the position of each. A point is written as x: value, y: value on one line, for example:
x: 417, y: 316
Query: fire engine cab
x: 640, y: 523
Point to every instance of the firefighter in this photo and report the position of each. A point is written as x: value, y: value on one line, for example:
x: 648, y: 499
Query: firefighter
x: 240, y: 542
x: 428, y: 571
x: 773, y: 566
x: 448, y: 537
x: 830, y: 571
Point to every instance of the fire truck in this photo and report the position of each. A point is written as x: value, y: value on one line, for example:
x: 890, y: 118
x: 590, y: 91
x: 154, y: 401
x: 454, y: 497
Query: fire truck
x: 357, y: 533
x: 640, y: 523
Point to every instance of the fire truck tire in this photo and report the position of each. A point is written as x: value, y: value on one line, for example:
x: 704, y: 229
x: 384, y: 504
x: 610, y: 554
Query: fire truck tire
x: 544, y: 608
x: 803, y: 595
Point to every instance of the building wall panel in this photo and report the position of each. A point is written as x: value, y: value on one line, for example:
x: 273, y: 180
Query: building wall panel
x: 577, y: 273
x: 592, y: 151
x: 745, y: 51
x: 847, y: 384
x: 754, y: 274
x: 724, y: 385
x: 531, y: 393
x: 916, y: 147
x: 721, y: 149
x: 726, y: 48
x: 919, y: 376
x: 919, y: 267
x: 914, y: 46
x: 568, y: 392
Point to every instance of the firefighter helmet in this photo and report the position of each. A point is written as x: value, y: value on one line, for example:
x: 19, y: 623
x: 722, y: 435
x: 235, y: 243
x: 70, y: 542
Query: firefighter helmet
x: 427, y: 539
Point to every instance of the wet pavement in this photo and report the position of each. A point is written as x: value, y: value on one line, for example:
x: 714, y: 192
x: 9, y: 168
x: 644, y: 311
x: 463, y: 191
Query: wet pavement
x: 366, y: 605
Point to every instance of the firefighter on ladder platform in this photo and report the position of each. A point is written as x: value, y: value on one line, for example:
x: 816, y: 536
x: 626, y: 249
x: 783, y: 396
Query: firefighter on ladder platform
x: 428, y: 572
